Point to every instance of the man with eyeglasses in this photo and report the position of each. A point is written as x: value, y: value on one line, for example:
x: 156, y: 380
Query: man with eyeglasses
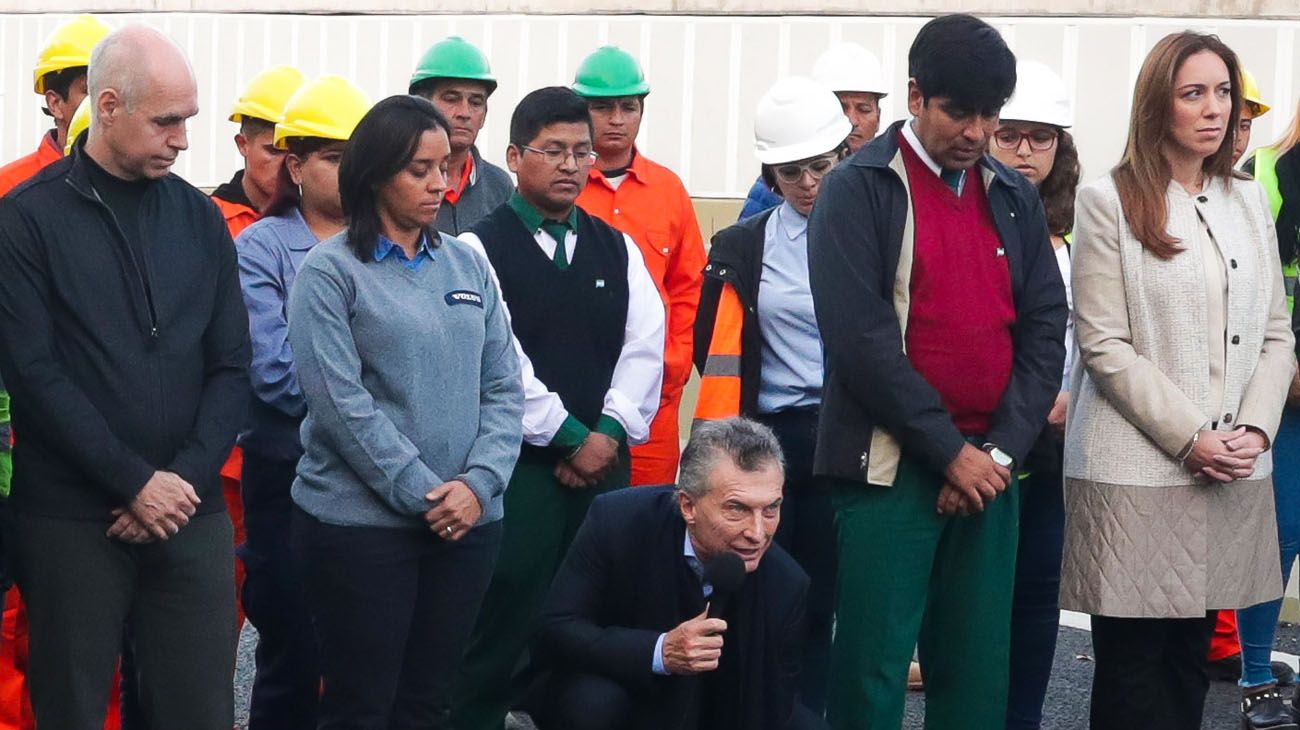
x: 589, y: 331
x: 648, y: 202
x: 942, y: 315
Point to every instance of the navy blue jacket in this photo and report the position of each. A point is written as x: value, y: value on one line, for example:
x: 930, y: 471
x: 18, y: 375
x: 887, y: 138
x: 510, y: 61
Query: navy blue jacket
x: 855, y: 238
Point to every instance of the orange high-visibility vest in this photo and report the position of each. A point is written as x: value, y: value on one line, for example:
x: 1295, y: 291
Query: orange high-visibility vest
x: 720, y: 380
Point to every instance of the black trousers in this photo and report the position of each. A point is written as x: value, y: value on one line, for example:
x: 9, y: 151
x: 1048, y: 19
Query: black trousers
x: 807, y: 532
x: 1035, y: 607
x: 1151, y: 673
x: 175, y: 598
x: 393, y: 610
x: 286, y: 689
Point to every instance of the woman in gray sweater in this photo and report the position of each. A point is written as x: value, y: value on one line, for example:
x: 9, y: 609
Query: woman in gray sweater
x: 414, y: 409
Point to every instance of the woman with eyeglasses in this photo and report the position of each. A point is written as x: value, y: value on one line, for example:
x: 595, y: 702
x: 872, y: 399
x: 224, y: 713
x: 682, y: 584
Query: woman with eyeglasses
x: 1033, y: 141
x: 756, y: 340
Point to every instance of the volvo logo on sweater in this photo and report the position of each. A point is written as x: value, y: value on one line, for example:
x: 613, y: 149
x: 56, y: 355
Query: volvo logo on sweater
x: 462, y: 296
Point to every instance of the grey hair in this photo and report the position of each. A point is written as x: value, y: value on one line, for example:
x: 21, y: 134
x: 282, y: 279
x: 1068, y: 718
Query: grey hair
x: 749, y: 445
x: 117, y: 63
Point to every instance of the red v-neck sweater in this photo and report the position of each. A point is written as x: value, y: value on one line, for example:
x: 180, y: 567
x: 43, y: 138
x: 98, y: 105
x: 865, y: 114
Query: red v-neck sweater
x: 962, y: 310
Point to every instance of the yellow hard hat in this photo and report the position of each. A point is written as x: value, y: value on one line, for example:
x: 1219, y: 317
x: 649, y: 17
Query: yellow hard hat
x: 266, y: 95
x: 68, y: 46
x: 1250, y: 93
x: 80, y: 122
x: 329, y: 108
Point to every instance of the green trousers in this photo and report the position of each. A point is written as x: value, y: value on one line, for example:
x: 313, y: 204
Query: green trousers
x: 541, y: 518
x: 908, y: 572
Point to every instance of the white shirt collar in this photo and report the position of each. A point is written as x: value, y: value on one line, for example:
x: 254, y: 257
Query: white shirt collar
x: 919, y: 149
x: 915, y: 142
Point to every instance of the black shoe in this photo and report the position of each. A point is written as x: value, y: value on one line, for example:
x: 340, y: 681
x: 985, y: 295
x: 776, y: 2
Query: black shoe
x: 1265, y: 710
x: 1228, y: 669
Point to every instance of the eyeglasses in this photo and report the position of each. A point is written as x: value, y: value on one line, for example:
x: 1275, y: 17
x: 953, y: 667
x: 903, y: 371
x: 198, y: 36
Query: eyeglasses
x: 1009, y: 138
x: 817, y: 168
x: 557, y: 155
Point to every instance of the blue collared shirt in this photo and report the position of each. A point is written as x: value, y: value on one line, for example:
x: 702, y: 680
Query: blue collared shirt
x: 386, y: 247
x: 271, y: 252
x: 792, y: 345
x: 688, y: 552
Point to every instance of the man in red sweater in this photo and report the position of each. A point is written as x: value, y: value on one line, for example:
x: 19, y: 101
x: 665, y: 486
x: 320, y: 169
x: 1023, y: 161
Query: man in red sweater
x: 942, y: 314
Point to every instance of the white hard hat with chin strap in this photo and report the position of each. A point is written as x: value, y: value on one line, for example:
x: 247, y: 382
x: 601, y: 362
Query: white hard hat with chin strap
x: 796, y: 119
x: 1039, y: 97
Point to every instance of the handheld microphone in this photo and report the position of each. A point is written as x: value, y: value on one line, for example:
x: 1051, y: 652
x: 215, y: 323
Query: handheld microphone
x: 725, y: 572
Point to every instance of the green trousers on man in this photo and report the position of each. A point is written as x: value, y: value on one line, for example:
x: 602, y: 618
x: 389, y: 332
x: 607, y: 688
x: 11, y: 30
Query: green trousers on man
x: 908, y: 572
x: 542, y: 518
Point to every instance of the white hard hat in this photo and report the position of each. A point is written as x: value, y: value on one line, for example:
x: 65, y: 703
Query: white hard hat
x: 796, y: 119
x: 850, y: 67
x: 1039, y: 97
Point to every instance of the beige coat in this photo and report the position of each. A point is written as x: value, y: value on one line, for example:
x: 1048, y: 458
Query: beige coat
x: 1144, y: 537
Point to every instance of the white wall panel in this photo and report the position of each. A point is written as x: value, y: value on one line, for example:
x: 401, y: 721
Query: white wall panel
x: 706, y: 72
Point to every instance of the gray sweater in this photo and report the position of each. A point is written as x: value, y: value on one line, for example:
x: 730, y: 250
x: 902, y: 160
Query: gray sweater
x: 411, y: 380
x: 490, y: 187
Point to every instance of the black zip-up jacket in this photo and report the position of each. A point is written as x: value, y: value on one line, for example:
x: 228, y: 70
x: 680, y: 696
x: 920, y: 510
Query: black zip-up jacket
x: 736, y: 258
x: 117, y: 367
x: 855, y: 239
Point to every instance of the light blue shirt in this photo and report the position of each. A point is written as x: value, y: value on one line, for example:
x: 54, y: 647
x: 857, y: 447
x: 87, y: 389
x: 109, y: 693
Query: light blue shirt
x: 688, y: 551
x: 792, y: 345
x: 385, y: 248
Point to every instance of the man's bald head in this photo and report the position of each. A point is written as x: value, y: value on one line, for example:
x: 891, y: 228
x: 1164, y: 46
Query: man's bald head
x: 142, y: 91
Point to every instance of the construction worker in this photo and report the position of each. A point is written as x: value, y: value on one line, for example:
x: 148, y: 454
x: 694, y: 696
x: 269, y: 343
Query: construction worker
x: 60, y: 77
x: 312, y: 132
x: 1252, y: 108
x: 758, y: 345
x: 855, y: 75
x: 649, y: 203
x: 1225, y: 655
x: 1277, y: 169
x: 589, y: 328
x: 242, y: 201
x: 257, y: 111
x: 456, y: 77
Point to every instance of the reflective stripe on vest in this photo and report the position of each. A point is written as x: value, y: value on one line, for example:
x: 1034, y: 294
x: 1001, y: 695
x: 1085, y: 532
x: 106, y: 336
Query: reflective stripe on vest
x: 720, y: 382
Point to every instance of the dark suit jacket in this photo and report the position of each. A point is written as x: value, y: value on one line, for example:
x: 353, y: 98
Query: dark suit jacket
x: 625, y: 581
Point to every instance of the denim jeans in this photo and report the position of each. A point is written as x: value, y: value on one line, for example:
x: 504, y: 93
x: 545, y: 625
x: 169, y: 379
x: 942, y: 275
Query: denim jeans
x: 1257, y: 624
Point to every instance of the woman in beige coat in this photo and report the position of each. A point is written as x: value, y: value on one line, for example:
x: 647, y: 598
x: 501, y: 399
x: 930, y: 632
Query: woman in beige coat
x: 1185, y: 358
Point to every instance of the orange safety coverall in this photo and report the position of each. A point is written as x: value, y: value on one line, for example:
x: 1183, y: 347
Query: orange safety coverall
x: 652, y: 206
x: 239, y: 214
x: 15, y: 703
x: 16, y: 172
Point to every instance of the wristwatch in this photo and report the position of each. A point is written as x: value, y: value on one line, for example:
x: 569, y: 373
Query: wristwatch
x: 1000, y: 457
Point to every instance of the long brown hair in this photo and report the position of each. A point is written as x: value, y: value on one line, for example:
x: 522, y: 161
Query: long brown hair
x: 1058, y: 188
x: 1143, y: 174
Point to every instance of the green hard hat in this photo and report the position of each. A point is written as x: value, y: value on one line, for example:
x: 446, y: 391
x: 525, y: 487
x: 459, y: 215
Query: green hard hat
x: 610, y: 71
x: 454, y: 58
